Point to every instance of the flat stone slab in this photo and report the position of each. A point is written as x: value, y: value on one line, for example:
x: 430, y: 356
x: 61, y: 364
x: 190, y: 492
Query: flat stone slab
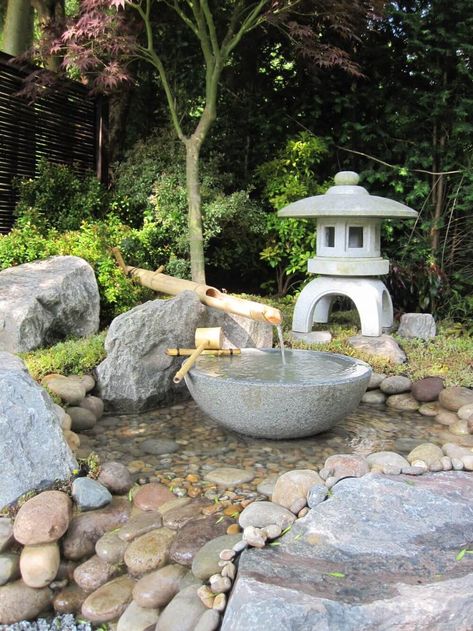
x: 396, y: 566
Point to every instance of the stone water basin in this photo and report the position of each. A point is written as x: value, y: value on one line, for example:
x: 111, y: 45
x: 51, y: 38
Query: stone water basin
x: 256, y: 394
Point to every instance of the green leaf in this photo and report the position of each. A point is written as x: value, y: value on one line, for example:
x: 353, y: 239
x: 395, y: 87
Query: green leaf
x: 460, y: 555
x: 275, y: 543
x: 336, y: 574
x: 286, y: 530
x: 219, y: 520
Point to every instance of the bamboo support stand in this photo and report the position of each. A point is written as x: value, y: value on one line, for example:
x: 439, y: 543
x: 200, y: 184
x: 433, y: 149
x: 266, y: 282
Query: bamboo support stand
x: 208, y: 295
x: 211, y: 338
x: 183, y: 352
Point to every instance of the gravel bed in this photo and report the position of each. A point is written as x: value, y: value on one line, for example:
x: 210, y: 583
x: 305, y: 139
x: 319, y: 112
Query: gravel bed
x: 66, y: 622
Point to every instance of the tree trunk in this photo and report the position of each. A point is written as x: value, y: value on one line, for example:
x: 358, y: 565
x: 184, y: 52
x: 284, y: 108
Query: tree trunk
x: 18, y: 27
x: 196, y: 239
x: 50, y: 13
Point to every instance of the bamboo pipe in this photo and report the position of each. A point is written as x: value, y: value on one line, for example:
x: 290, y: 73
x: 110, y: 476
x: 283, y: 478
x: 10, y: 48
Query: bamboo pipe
x: 182, y: 352
x: 208, y: 295
x: 204, y: 338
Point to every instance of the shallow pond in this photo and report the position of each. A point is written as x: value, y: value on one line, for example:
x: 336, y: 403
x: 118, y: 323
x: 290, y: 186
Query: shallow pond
x: 201, y: 445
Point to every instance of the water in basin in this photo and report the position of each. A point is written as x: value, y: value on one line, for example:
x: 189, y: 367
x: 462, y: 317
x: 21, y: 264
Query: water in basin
x: 301, y: 367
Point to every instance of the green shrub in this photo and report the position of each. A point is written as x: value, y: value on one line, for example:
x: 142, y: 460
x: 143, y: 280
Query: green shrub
x: 73, y: 357
x: 288, y: 177
x: 150, y: 193
x: 59, y: 198
x: 92, y: 242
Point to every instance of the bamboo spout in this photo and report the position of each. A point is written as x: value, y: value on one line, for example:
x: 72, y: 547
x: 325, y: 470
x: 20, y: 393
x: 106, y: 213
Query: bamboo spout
x: 208, y: 295
x: 204, y: 338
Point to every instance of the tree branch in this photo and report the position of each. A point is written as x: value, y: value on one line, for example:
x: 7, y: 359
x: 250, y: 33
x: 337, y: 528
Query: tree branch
x: 211, y: 28
x: 156, y: 61
x: 395, y: 166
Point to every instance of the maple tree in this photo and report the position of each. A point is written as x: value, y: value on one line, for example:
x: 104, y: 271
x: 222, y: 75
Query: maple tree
x: 108, y: 35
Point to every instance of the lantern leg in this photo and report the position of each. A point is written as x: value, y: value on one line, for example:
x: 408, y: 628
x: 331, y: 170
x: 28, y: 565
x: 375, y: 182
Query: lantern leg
x: 371, y: 299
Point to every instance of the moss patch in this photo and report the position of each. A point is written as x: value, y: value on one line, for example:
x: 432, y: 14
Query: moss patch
x: 73, y: 357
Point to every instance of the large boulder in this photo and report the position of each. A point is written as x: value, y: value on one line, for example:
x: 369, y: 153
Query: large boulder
x: 47, y: 301
x: 378, y: 554
x: 33, y: 451
x: 137, y: 374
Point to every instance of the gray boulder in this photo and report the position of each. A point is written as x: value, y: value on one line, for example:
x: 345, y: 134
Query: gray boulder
x: 47, y: 301
x: 378, y: 555
x: 33, y: 452
x: 421, y: 325
x: 137, y: 374
x: 383, y: 346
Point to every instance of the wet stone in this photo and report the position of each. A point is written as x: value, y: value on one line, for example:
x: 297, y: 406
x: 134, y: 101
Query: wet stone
x: 9, y: 567
x: 209, y: 621
x: 158, y: 447
x: 375, y: 380
x: 89, y: 494
x: 429, y: 409
x: 183, y: 612
x: 194, y: 534
x: 390, y: 458
x: 267, y: 485
x: 261, y: 514
x: 93, y: 404
x: 6, y: 533
x: 455, y: 397
x: 115, y: 477
x: 94, y: 573
x: 445, y: 417
x: 227, y: 476
x: 87, y: 528
x: 152, y: 496
x: 82, y: 419
x: 149, y: 552
x: 206, y: 560
x: 69, y: 599
x: 465, y: 412
x: 428, y: 452
x: 136, y: 618
x: 43, y: 518
x: 110, y: 548
x: 316, y: 495
x: 346, y: 465
x: 157, y: 588
x: 373, y: 397
x: 109, y: 601
x: 178, y: 517
x: 20, y: 602
x: 459, y: 428
x: 402, y: 402
x: 395, y: 385
x: 293, y: 486
x: 139, y: 525
x: 39, y: 564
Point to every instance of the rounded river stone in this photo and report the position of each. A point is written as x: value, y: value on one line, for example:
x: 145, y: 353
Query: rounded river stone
x: 43, y: 519
x: 109, y: 601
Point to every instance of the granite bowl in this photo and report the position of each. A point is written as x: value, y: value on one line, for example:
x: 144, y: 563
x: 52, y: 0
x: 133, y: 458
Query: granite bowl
x: 255, y: 394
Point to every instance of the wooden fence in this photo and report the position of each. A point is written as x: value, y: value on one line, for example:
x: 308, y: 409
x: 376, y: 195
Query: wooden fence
x: 65, y: 126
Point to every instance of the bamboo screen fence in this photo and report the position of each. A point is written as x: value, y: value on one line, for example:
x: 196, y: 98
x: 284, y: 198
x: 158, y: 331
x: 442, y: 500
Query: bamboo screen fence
x: 65, y: 126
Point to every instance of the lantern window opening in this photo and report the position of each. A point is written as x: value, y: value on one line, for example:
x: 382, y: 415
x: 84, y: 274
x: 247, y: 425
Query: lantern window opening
x: 329, y: 236
x: 355, y: 237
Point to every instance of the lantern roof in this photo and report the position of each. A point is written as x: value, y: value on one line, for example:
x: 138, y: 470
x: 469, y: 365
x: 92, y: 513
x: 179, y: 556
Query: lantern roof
x: 347, y: 199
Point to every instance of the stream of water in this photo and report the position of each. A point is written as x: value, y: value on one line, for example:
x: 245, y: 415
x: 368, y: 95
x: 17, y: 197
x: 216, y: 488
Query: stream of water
x: 281, y: 343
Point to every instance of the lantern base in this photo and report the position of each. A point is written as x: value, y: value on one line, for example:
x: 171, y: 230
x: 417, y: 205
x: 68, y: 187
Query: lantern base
x: 370, y: 296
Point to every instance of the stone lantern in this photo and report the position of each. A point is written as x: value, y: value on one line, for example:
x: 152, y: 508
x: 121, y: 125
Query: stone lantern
x: 348, y: 257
